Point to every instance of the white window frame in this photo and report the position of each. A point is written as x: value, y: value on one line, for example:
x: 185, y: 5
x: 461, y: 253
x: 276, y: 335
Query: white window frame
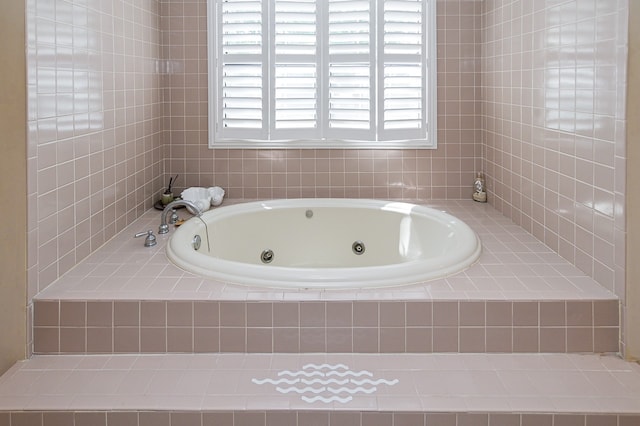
x: 256, y: 139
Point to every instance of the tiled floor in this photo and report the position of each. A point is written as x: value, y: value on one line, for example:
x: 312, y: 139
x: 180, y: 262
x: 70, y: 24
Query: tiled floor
x: 514, y: 266
x: 534, y: 383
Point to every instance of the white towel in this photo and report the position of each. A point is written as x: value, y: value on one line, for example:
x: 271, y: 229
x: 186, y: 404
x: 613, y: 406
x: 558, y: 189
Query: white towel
x: 198, y: 196
x: 217, y: 194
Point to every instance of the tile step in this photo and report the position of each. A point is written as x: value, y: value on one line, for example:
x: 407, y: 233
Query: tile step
x: 263, y: 385
x: 413, y: 326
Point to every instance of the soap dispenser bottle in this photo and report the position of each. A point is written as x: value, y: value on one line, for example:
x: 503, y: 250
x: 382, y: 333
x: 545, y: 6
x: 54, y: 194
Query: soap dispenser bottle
x: 479, y: 190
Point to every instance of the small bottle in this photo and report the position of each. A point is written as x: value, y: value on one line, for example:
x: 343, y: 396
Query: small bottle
x: 479, y: 192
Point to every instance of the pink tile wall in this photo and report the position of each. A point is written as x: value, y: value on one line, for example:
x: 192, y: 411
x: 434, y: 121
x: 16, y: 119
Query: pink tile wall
x: 553, y: 89
x: 94, y: 148
x: 400, y: 174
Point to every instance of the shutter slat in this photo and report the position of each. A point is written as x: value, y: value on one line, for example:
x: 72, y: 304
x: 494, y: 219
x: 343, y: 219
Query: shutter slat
x: 349, y: 27
x: 241, y: 27
x: 295, y: 28
x: 241, y: 94
x: 296, y: 95
x: 403, y: 107
x: 350, y: 96
x: 403, y: 27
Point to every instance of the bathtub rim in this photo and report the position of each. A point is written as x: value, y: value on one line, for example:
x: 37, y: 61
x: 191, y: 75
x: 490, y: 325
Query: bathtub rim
x: 346, y: 278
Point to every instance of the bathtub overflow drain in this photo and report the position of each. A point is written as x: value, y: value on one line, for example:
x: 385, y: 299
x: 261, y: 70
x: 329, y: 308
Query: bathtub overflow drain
x: 266, y: 256
x: 358, y: 247
x: 196, y: 242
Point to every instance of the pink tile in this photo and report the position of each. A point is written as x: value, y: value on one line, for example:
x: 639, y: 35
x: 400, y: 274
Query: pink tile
x: 365, y: 314
x: 180, y: 339
x: 99, y: 313
x: 206, y: 314
x: 339, y: 314
x: 126, y: 313
x: 419, y: 313
x: 392, y: 314
x: 312, y: 314
x: 46, y: 313
x: 472, y: 339
x: 259, y: 314
x: 340, y: 339
x: 153, y: 313
x: 445, y: 314
x: 260, y: 340
x: 552, y: 314
x: 286, y: 340
x: 46, y: 339
x: 472, y: 313
x: 232, y: 314
x: 525, y: 313
x: 365, y: 340
x: 180, y: 313
x: 72, y: 340
x: 233, y: 339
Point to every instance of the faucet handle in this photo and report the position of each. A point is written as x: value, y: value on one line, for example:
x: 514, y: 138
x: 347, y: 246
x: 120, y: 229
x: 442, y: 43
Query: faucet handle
x: 174, y: 217
x: 150, y: 239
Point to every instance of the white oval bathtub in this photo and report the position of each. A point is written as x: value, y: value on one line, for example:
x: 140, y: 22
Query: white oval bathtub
x: 314, y: 244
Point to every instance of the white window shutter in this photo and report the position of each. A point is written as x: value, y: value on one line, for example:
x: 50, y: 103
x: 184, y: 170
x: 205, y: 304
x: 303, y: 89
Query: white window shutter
x: 401, y: 67
x: 338, y: 73
x: 242, y: 111
x: 350, y: 70
x: 295, y: 73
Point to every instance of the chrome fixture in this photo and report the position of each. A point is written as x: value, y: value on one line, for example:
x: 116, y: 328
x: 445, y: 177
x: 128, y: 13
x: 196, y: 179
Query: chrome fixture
x: 150, y: 241
x: 358, y: 247
x: 193, y: 209
x: 196, y: 242
x: 267, y: 256
x: 174, y: 217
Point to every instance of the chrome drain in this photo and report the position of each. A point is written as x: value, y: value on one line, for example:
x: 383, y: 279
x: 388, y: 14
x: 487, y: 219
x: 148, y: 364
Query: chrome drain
x: 266, y: 256
x: 358, y: 247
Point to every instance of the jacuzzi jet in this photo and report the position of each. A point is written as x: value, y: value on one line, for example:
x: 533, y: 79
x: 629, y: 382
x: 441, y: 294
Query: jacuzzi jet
x: 309, y: 214
x: 266, y: 256
x: 358, y: 247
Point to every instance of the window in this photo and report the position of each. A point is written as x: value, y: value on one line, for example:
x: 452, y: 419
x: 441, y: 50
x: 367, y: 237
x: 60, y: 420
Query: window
x: 322, y: 73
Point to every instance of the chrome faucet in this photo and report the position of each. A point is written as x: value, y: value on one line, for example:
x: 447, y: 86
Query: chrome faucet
x: 193, y: 209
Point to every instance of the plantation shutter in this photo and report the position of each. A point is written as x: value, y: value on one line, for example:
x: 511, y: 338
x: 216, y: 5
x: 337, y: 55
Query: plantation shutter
x: 333, y: 72
x: 242, y: 60
x: 402, y: 70
x: 295, y: 74
x: 350, y: 70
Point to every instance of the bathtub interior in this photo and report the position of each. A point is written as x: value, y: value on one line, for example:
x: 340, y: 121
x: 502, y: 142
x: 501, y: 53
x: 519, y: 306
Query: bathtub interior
x: 312, y: 244
x: 298, y: 238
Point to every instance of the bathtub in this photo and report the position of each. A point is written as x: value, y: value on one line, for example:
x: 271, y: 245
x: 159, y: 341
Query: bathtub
x: 324, y: 244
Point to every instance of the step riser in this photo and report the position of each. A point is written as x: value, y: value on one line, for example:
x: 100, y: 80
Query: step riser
x: 306, y: 418
x: 80, y: 327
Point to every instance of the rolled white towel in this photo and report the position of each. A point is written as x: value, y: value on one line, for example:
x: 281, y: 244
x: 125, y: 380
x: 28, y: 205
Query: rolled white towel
x: 217, y: 194
x: 199, y: 196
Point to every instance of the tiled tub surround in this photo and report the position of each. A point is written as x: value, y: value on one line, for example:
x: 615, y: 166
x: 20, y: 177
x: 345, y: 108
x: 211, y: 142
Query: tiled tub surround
x: 520, y: 297
x: 554, y: 82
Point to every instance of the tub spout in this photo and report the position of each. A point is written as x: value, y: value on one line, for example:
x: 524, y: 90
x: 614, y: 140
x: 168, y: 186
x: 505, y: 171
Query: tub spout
x: 193, y: 209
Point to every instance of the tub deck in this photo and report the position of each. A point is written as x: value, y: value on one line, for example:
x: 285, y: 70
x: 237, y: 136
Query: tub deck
x: 514, y: 265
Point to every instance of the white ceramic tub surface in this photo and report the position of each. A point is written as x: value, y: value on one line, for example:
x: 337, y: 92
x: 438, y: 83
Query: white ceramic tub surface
x: 312, y: 244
